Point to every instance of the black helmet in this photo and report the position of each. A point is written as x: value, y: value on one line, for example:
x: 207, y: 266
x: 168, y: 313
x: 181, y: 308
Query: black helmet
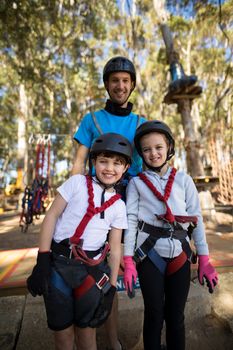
x: 119, y: 64
x: 114, y: 143
x: 157, y: 126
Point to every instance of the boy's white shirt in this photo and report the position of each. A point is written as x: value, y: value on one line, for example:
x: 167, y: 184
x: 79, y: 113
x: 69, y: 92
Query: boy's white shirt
x: 143, y: 205
x: 74, y: 192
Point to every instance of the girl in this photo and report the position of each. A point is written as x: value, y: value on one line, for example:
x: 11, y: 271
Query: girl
x: 163, y: 211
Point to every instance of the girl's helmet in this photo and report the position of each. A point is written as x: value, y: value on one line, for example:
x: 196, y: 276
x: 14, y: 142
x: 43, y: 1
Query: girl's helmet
x: 119, y: 64
x: 112, y: 143
x: 155, y: 126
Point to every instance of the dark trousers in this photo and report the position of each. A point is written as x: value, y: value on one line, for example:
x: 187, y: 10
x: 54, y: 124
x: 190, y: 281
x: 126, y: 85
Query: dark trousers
x: 164, y: 299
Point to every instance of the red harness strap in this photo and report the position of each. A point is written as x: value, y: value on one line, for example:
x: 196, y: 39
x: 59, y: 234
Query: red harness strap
x: 91, y: 210
x: 168, y: 215
x: 179, y: 261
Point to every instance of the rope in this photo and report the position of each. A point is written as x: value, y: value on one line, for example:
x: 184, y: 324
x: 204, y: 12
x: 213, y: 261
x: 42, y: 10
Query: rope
x: 91, y: 210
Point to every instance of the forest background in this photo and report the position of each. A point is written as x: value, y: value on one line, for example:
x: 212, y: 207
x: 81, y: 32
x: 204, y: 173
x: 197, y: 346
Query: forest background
x: 52, y: 56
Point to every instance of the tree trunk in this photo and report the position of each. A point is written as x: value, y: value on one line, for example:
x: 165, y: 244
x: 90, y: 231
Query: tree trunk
x: 22, y: 152
x: 191, y: 144
x: 194, y: 164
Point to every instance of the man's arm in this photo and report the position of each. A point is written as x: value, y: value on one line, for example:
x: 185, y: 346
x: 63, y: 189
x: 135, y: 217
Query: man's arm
x: 79, y: 166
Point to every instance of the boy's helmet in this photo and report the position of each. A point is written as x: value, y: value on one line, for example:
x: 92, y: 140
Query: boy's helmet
x: 112, y: 143
x: 119, y: 64
x: 155, y: 126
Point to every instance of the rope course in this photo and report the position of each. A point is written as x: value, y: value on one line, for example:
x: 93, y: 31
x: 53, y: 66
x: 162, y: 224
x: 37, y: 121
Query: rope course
x: 35, y: 198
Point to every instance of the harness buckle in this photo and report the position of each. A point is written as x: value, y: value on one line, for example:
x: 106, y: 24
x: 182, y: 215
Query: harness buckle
x: 71, y: 253
x: 171, y: 230
x: 141, y: 225
x: 103, y: 284
x: 139, y: 255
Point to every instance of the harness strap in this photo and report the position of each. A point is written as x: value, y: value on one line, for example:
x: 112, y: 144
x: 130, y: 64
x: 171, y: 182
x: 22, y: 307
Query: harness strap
x: 91, y: 211
x: 96, y: 123
x: 63, y: 248
x: 175, y: 264
x: 138, y: 121
x: 147, y: 248
x: 95, y: 277
x: 161, y: 232
x: 81, y: 255
x: 163, y: 198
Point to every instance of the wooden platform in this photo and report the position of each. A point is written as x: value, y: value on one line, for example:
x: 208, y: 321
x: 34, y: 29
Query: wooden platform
x: 189, y: 93
x: 15, y: 266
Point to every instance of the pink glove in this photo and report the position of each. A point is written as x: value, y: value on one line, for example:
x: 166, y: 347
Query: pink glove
x: 207, y: 271
x: 130, y: 273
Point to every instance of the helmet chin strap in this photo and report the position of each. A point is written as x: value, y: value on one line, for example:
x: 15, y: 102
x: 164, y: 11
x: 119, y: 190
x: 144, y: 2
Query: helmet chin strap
x: 105, y: 187
x: 157, y: 168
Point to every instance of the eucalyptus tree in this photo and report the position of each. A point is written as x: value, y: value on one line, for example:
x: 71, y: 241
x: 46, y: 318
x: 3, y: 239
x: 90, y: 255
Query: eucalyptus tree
x: 51, y: 48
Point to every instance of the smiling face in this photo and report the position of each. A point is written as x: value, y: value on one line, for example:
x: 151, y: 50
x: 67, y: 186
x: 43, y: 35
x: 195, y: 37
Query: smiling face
x: 119, y: 86
x: 154, y: 148
x: 109, y: 169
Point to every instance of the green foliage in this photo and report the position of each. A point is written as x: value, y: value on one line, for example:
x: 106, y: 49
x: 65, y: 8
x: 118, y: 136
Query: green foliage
x: 57, y: 50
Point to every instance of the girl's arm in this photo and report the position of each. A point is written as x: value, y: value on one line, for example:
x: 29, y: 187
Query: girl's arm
x: 193, y: 208
x: 115, y: 253
x: 49, y: 222
x: 132, y: 206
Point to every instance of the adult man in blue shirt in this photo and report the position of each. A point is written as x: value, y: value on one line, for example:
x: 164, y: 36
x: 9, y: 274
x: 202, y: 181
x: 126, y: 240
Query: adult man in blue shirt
x: 119, y: 78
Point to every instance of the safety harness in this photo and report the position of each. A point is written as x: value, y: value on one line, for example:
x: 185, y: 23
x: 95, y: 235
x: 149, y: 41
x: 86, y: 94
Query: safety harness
x: 34, y: 199
x: 174, y: 231
x: 72, y: 248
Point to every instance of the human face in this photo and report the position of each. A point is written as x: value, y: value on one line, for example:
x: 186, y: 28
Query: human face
x: 154, y: 148
x: 109, y: 170
x: 119, y: 86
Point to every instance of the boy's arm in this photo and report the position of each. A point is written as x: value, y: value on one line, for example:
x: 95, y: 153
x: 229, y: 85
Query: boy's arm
x: 81, y: 156
x: 37, y: 282
x: 49, y: 223
x: 115, y: 253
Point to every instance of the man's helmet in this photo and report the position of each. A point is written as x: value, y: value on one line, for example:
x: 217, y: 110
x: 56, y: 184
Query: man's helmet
x: 155, y: 126
x: 119, y: 64
x: 112, y: 143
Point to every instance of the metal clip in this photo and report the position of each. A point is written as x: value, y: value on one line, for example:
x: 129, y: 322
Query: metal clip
x: 101, y: 284
x: 71, y: 252
x: 171, y: 229
x: 139, y: 255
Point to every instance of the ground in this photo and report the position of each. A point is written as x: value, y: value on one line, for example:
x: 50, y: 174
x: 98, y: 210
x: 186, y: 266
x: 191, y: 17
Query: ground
x: 205, y: 332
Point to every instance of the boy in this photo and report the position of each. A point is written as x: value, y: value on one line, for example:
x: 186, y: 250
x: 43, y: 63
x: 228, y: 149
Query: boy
x: 71, y: 272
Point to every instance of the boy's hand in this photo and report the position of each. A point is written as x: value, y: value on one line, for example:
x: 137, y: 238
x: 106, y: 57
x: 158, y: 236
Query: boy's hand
x: 207, y: 271
x: 37, y: 282
x: 130, y: 275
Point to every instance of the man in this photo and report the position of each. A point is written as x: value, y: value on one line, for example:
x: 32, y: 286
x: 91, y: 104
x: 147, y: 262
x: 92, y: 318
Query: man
x: 119, y: 78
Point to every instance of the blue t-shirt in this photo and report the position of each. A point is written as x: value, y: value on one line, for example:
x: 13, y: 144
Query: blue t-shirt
x: 124, y: 125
